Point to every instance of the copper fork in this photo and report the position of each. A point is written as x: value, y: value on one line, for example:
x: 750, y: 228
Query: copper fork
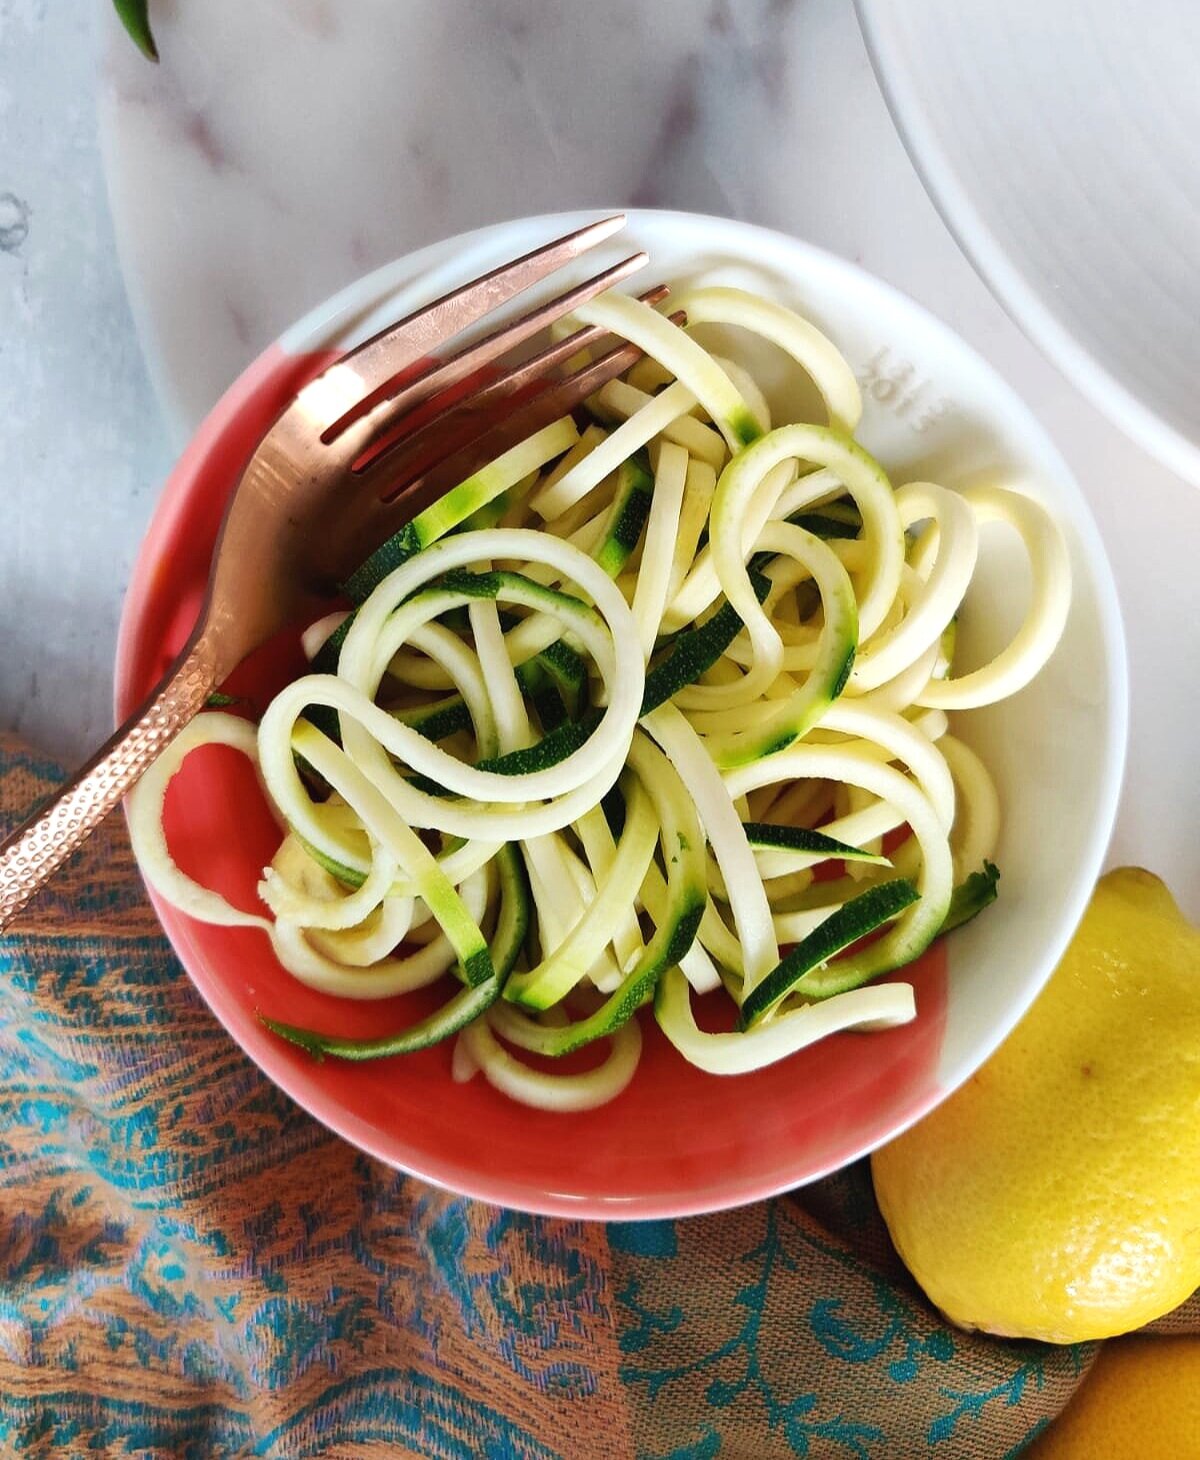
x: 332, y: 479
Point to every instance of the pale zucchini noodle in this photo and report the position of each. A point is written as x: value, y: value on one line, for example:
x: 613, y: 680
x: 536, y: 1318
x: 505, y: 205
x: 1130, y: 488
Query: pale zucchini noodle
x: 661, y: 703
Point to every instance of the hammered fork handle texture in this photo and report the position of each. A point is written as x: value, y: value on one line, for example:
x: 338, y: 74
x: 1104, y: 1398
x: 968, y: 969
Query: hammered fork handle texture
x: 36, y: 850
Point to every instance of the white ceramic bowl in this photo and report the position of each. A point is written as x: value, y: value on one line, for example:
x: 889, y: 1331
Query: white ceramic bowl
x: 1059, y: 142
x: 933, y: 409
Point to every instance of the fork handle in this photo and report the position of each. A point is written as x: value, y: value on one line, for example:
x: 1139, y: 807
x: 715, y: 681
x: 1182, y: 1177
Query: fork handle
x: 36, y: 850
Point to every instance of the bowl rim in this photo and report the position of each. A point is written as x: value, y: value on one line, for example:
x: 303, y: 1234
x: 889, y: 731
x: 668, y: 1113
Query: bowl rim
x: 1015, y: 291
x: 324, y: 323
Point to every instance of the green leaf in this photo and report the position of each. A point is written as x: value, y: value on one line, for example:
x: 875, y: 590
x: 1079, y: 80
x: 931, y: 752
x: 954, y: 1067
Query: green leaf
x: 135, y: 17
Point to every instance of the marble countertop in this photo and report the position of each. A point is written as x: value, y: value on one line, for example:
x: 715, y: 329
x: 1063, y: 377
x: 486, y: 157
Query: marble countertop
x: 284, y: 147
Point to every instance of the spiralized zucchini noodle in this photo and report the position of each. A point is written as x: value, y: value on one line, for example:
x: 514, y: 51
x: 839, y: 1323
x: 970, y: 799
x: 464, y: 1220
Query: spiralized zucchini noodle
x: 655, y: 706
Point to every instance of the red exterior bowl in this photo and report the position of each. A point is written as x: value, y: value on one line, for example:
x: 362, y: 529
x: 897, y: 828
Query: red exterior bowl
x: 677, y: 1141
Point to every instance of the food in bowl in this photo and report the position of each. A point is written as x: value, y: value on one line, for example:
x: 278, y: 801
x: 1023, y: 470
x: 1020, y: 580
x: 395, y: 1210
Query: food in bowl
x: 655, y: 704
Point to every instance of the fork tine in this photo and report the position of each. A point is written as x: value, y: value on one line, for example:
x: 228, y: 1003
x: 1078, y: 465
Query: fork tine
x: 381, y: 519
x: 540, y: 365
x: 406, y: 395
x: 392, y: 425
x: 371, y: 366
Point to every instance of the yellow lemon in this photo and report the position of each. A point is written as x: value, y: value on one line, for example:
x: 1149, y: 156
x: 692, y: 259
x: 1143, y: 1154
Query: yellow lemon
x: 1140, y: 1401
x: 1056, y: 1195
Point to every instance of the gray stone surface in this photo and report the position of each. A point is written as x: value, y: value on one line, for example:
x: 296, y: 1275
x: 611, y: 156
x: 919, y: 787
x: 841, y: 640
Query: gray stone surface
x: 82, y: 447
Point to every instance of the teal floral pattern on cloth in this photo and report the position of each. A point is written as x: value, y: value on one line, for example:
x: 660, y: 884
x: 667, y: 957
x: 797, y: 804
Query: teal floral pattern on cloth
x: 190, y: 1266
x: 885, y: 1376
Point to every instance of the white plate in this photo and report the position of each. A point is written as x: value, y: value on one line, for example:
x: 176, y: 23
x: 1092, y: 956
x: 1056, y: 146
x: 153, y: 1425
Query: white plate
x: 1059, y: 138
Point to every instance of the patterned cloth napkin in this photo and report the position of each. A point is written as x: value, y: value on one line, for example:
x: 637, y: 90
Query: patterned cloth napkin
x: 192, y: 1266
